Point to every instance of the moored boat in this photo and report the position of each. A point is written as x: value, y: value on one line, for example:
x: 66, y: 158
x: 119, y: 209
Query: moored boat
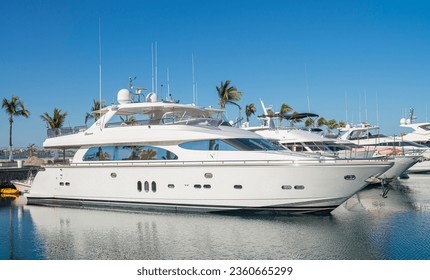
x: 176, y: 157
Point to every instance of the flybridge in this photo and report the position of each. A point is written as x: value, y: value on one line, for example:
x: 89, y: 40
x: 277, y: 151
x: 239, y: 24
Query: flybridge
x: 129, y: 112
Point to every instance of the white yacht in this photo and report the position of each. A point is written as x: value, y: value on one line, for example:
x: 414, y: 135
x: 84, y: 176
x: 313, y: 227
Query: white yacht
x: 420, y: 134
x: 407, y: 152
x: 176, y: 157
x: 304, y: 140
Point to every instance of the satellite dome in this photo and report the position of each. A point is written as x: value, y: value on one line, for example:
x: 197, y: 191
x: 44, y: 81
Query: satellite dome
x: 124, y: 96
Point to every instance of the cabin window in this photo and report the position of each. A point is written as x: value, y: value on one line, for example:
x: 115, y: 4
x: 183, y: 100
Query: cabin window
x: 286, y: 187
x: 207, y: 186
x: 299, y: 187
x: 239, y: 144
x: 197, y: 186
x: 139, y: 186
x: 208, y: 145
x: 238, y: 187
x: 108, y: 153
x: 153, y: 186
x: 146, y: 185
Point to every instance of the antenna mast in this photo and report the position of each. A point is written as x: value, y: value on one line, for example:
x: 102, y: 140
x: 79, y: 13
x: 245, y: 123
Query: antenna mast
x: 365, y: 104
x: 194, y: 82
x: 346, y: 107
x: 307, y: 88
x: 377, y: 110
x: 152, y: 67
x: 168, y: 84
x: 100, y: 69
x: 156, y: 67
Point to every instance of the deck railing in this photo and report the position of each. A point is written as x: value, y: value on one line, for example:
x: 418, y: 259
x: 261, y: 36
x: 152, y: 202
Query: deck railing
x: 55, y: 132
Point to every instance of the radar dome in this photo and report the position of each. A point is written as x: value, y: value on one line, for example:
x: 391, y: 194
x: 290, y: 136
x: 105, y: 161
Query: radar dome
x: 124, y: 96
x: 152, y: 97
x: 402, y: 121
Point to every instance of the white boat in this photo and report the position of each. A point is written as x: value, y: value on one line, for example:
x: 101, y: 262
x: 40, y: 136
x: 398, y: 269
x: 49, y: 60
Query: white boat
x: 420, y: 134
x: 408, y: 152
x: 178, y: 157
x: 24, y: 186
x: 305, y: 140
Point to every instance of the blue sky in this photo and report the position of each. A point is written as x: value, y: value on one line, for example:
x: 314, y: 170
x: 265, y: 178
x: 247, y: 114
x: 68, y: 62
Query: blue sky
x: 348, y: 57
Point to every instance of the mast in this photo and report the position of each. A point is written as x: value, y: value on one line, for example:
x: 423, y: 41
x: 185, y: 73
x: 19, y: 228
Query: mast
x: 100, y: 70
x: 307, y: 89
x: 152, y: 67
x: 156, y: 67
x: 194, y: 82
x: 168, y: 84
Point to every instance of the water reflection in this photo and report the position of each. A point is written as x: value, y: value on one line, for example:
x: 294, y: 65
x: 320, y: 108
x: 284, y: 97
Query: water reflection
x: 367, y: 226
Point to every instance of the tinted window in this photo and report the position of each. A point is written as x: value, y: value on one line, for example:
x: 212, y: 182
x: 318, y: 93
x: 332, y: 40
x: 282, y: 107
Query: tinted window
x: 128, y: 153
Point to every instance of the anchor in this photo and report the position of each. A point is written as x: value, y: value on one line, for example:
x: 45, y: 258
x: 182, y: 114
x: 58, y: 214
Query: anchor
x: 385, y: 188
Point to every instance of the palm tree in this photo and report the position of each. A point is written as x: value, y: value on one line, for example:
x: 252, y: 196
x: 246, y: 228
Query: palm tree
x: 95, y: 111
x: 295, y: 120
x: 228, y: 94
x: 31, y: 148
x: 340, y: 125
x: 285, y: 108
x: 321, y: 121
x: 331, y: 124
x: 56, y: 120
x: 250, y: 110
x: 309, y: 122
x: 129, y: 120
x: 13, y: 107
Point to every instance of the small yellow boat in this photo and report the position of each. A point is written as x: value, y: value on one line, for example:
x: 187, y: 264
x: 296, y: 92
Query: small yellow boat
x: 8, y: 195
x: 9, y: 191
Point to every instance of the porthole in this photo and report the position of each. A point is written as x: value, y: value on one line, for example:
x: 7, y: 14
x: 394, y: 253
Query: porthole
x: 299, y: 187
x: 171, y: 186
x: 238, y: 187
x: 113, y: 175
x: 146, y: 185
x: 208, y: 175
x: 153, y: 186
x: 139, y: 186
x: 61, y: 183
x: 67, y: 184
x: 349, y: 177
x: 206, y: 186
x: 197, y: 186
x: 286, y: 187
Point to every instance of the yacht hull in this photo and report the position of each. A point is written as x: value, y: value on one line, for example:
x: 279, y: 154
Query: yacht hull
x: 401, y: 165
x: 275, y: 186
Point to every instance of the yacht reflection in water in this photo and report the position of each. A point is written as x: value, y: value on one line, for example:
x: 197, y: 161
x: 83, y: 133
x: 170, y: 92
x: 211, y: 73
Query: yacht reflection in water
x: 367, y: 226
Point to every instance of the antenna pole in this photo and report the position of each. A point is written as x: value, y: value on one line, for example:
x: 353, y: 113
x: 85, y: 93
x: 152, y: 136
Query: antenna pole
x: 194, y: 86
x: 365, y: 103
x: 156, y: 67
x: 377, y: 110
x: 152, y: 67
x: 346, y: 107
x: 168, y: 84
x: 100, y: 68
x: 307, y: 88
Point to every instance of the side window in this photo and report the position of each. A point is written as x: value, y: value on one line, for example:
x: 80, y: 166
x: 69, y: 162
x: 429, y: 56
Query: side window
x: 128, y: 153
x: 99, y: 153
x: 208, y: 145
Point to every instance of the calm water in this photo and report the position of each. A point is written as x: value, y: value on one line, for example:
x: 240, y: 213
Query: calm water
x: 367, y: 227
